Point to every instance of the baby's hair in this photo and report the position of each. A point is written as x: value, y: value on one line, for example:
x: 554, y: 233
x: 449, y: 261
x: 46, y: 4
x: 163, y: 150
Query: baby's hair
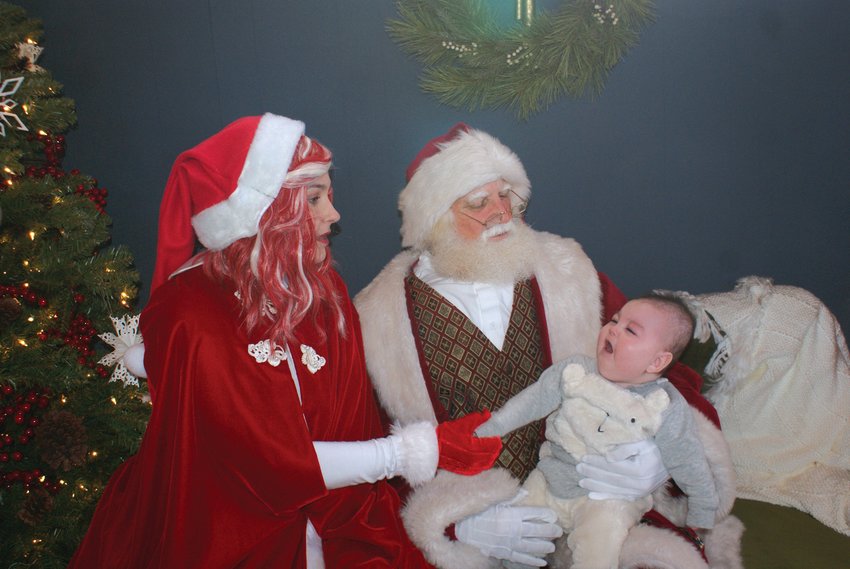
x: 682, y: 320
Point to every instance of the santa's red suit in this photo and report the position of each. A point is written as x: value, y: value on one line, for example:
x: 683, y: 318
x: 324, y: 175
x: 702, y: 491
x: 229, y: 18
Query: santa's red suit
x: 574, y: 299
x: 226, y: 475
x: 430, y: 359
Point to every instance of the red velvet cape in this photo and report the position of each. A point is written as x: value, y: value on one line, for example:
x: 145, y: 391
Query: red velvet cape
x: 226, y: 475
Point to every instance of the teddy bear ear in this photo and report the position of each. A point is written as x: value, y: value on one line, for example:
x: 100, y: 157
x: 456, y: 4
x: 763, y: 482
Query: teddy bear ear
x: 658, y: 400
x: 572, y: 375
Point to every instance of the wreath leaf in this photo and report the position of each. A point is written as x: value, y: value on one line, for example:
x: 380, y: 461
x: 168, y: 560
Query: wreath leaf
x: 472, y: 62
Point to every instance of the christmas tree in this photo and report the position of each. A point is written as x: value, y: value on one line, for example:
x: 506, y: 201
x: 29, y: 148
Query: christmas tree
x: 66, y: 423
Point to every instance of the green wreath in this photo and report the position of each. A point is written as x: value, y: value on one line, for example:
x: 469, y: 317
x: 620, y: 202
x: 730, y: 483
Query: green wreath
x: 470, y: 61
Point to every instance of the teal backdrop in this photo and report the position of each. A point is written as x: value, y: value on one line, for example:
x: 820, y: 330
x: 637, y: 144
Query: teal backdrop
x: 718, y: 148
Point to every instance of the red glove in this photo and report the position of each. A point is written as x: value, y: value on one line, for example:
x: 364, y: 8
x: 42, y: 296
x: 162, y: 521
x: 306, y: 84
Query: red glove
x: 461, y: 451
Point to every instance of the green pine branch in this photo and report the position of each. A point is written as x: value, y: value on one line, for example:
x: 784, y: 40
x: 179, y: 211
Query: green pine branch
x: 471, y: 62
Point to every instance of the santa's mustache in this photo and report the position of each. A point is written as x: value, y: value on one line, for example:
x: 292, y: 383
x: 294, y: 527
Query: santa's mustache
x: 497, y: 230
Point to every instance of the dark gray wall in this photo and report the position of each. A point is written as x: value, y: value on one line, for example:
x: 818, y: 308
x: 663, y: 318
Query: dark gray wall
x: 718, y: 149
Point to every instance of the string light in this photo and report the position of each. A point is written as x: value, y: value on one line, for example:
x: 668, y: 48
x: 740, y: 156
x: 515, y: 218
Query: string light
x: 526, y: 14
x: 114, y: 401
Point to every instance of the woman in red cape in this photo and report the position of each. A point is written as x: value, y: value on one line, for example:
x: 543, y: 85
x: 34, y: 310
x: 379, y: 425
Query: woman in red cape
x: 253, y: 353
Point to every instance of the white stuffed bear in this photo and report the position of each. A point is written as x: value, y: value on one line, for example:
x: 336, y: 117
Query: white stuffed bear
x: 594, y: 416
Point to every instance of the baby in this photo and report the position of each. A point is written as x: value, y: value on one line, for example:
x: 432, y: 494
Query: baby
x: 632, y: 402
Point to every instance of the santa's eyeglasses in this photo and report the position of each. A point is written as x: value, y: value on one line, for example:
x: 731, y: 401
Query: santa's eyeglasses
x: 496, y: 218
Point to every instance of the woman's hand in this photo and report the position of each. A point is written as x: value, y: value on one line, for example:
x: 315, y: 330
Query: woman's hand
x: 629, y: 472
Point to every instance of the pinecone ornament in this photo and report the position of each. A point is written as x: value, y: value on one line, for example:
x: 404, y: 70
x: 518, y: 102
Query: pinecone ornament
x: 37, y: 503
x: 10, y: 310
x: 62, y: 440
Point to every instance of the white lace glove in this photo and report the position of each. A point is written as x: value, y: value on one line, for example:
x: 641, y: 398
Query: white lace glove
x: 522, y: 534
x: 629, y: 472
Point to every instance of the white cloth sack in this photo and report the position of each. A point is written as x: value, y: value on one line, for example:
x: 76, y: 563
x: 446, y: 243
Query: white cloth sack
x: 784, y: 398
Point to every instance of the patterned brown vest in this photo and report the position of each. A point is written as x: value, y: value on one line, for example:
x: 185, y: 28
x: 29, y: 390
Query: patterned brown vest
x: 468, y: 373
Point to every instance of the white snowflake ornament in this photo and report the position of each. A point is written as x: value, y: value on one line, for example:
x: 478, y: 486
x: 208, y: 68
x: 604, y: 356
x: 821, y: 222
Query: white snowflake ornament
x: 30, y: 52
x: 127, y: 346
x: 7, y: 106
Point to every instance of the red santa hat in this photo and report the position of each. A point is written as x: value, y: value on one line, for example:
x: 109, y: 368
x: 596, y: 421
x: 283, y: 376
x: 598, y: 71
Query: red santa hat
x: 448, y: 168
x: 218, y: 190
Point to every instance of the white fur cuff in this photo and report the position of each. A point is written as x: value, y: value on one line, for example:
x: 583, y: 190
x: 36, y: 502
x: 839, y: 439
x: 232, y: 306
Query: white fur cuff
x: 417, y: 452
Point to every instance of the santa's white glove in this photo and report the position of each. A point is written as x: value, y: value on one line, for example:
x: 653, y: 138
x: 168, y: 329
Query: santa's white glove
x: 628, y: 472
x: 522, y: 534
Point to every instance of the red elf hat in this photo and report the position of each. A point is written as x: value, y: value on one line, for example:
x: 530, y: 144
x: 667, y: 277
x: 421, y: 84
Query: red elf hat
x: 218, y: 190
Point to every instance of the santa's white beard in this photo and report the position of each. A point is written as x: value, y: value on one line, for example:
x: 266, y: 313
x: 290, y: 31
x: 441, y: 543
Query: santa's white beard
x: 506, y: 260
